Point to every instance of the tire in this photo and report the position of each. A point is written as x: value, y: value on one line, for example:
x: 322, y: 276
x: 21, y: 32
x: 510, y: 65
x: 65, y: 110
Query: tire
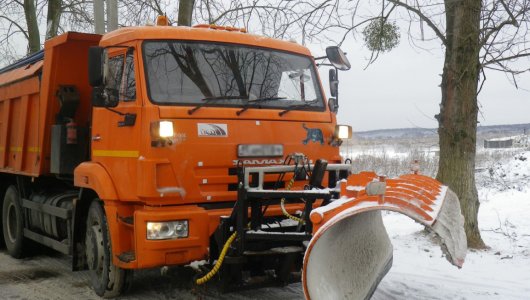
x: 13, y: 223
x: 2, y: 194
x: 107, y: 280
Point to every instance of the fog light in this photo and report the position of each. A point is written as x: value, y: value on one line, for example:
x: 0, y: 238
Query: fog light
x: 167, y: 230
x: 343, y: 132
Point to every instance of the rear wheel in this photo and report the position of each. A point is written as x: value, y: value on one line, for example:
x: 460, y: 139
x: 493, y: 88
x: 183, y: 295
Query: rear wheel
x: 108, y: 280
x: 2, y: 194
x: 13, y: 223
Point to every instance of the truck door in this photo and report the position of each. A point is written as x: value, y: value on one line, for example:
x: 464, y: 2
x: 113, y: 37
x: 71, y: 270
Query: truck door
x: 116, y: 131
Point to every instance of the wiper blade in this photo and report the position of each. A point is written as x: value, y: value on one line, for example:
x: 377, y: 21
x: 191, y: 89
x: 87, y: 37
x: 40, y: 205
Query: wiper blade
x: 258, y: 100
x: 212, y: 99
x: 296, y: 106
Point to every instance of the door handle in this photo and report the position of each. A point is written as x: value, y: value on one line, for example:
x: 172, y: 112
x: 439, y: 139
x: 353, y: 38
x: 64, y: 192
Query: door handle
x: 96, y: 138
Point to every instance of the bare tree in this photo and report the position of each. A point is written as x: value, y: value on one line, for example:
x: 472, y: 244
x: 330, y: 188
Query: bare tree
x: 476, y: 35
x: 20, y: 22
x: 53, y: 18
x: 30, y: 11
x: 275, y: 18
x: 185, y: 12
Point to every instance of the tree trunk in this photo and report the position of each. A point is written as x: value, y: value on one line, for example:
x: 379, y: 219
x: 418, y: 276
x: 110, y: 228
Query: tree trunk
x: 53, y: 18
x: 458, y: 112
x: 33, y: 27
x: 185, y: 12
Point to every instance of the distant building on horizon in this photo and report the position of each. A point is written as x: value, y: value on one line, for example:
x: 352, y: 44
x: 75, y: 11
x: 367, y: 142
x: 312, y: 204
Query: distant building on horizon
x: 507, y: 142
x: 499, y: 143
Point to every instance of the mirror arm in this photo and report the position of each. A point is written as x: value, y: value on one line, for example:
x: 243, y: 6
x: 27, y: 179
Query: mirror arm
x: 128, y: 119
x: 324, y: 57
x: 115, y: 111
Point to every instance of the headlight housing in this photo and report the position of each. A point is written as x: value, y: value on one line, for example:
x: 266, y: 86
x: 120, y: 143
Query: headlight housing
x: 343, y: 132
x: 165, y: 129
x: 162, y: 133
x: 167, y: 230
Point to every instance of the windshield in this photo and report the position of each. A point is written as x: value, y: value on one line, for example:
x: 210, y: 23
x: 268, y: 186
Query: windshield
x: 191, y: 73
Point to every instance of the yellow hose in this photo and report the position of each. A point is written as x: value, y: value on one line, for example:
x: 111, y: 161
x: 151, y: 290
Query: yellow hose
x: 219, y: 262
x: 282, y: 204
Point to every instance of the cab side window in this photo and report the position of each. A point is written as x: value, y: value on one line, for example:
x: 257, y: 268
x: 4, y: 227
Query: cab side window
x: 121, y: 81
x: 128, y: 90
x: 115, y: 72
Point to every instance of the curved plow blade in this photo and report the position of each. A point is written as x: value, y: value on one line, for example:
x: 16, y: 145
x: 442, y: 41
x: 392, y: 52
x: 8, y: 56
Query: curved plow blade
x: 350, y: 251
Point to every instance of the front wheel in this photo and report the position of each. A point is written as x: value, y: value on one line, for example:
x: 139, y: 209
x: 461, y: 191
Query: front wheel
x: 108, y: 280
x: 13, y: 223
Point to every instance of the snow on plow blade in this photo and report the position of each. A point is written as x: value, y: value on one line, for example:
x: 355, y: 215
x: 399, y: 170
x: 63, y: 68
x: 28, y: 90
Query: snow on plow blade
x: 350, y: 251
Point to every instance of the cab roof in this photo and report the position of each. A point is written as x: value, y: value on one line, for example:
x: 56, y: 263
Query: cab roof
x: 128, y: 34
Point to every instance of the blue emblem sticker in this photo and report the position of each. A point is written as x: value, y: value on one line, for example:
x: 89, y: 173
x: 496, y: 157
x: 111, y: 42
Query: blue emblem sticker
x: 314, y: 135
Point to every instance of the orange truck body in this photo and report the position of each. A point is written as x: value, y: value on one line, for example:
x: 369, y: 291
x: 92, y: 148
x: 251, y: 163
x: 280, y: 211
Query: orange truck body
x: 191, y: 179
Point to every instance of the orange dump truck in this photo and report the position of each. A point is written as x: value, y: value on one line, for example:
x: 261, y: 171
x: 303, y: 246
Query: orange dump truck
x: 159, y: 146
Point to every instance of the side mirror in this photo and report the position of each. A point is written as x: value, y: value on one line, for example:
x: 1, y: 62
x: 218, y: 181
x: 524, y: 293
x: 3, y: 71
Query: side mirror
x: 95, y: 66
x: 337, y: 58
x: 103, y: 97
x: 112, y: 97
x: 333, y: 105
x: 98, y: 96
x: 333, y: 83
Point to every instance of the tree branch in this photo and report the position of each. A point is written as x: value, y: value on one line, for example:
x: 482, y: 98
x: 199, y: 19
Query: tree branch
x: 423, y: 17
x: 512, y: 57
x: 17, y: 25
x: 512, y: 21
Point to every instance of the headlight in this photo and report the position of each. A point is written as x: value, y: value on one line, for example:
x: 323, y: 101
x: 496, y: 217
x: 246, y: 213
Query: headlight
x: 343, y: 132
x: 162, y: 133
x: 166, y: 129
x: 167, y: 230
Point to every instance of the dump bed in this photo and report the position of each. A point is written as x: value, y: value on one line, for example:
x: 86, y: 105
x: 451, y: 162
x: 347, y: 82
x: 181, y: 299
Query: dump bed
x: 29, y: 104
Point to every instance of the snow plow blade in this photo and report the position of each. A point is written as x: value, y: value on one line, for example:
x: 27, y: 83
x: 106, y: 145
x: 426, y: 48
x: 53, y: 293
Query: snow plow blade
x: 350, y: 251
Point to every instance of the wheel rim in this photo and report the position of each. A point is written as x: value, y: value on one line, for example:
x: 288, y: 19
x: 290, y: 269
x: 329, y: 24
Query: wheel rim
x: 12, y: 220
x: 94, y: 249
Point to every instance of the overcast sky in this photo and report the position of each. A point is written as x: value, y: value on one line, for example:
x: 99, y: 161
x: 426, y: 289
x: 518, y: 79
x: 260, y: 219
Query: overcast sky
x: 401, y: 89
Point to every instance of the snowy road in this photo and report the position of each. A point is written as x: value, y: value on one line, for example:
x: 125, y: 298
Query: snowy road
x: 419, y: 272
x: 49, y: 277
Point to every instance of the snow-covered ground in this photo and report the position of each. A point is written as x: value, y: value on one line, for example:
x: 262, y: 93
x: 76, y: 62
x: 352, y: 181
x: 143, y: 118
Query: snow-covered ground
x: 500, y: 272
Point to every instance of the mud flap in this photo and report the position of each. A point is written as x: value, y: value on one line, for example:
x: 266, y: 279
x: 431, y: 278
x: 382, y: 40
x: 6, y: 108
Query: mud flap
x: 350, y: 251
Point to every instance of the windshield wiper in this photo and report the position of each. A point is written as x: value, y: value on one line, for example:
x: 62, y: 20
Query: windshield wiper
x: 258, y: 100
x: 207, y: 100
x: 296, y: 106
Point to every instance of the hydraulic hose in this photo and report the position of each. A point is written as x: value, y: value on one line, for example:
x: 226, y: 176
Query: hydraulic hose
x: 282, y: 204
x: 219, y: 262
